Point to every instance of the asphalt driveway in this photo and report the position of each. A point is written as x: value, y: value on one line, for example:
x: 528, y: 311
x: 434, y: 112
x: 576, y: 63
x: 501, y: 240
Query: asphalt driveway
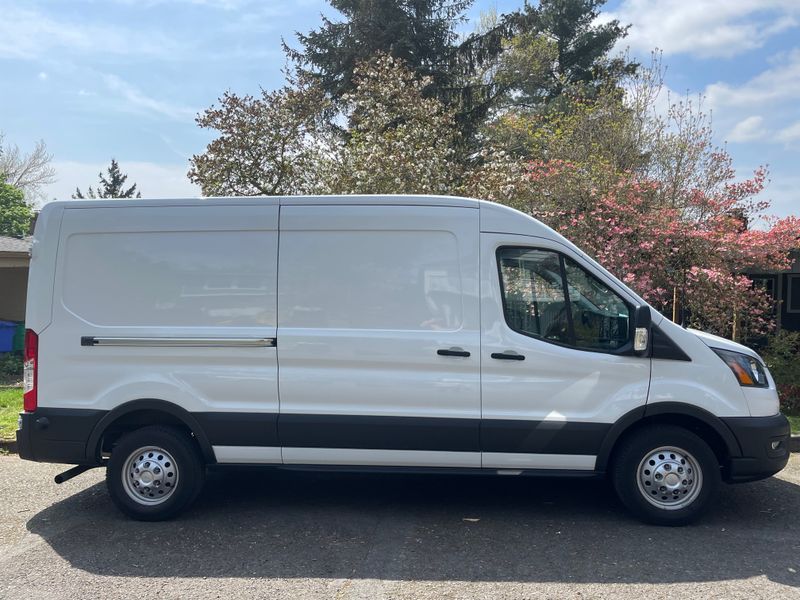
x: 282, y: 534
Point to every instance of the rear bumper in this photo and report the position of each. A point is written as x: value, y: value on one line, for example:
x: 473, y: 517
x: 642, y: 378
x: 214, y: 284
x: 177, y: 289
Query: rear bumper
x: 57, y: 435
x: 765, y: 447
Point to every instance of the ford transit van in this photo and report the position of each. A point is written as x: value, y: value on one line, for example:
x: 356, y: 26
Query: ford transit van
x: 413, y: 333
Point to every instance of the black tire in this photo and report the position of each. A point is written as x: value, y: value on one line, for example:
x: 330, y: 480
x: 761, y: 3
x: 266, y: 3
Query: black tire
x: 187, y: 473
x: 635, y: 451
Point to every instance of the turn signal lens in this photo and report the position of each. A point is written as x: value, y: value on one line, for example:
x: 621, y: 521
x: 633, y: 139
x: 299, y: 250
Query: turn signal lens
x: 30, y: 359
x: 640, y: 339
x: 749, y: 371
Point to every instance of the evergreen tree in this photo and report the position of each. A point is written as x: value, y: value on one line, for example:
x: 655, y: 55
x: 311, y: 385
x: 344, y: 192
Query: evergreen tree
x: 112, y: 186
x: 583, y: 46
x: 423, y: 34
x: 420, y: 32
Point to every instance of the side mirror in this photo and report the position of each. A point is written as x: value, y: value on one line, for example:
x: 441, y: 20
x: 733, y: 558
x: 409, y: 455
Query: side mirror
x: 641, y: 332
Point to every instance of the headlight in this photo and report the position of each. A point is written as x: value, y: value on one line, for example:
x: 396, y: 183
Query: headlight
x: 748, y: 370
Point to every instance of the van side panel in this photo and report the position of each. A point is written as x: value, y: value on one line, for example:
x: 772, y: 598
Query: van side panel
x: 369, y: 295
x: 169, y: 303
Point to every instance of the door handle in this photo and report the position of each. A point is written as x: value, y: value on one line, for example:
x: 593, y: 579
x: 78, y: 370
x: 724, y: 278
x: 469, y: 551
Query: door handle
x: 454, y: 351
x: 509, y: 355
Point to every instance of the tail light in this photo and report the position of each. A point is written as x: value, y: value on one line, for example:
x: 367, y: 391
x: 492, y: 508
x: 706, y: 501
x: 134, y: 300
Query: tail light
x: 30, y: 367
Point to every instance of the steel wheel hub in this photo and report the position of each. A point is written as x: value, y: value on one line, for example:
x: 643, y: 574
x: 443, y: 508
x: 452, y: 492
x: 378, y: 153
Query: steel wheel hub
x: 150, y: 475
x: 669, y: 478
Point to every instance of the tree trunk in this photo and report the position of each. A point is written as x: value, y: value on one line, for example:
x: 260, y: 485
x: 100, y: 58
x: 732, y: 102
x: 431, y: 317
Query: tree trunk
x: 675, y: 304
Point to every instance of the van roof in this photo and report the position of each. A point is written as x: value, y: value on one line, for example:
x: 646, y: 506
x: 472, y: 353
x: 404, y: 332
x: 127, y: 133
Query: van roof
x: 361, y: 199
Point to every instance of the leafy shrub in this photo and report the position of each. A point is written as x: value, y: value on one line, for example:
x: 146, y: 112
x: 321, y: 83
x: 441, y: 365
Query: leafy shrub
x: 10, y: 368
x: 782, y: 355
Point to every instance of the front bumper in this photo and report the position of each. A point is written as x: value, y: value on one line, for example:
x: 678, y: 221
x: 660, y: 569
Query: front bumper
x: 765, y: 447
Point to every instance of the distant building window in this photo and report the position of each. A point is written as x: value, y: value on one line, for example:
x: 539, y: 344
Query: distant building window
x: 793, y: 299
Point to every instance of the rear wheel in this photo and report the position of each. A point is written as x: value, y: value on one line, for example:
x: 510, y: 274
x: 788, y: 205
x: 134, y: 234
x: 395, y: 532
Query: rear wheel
x: 665, y: 474
x: 154, y: 473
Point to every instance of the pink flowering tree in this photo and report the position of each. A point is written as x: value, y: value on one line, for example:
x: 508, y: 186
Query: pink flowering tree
x: 649, y: 195
x: 689, y: 260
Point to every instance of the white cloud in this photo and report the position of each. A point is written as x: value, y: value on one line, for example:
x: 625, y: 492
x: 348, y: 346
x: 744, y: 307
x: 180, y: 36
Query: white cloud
x: 773, y: 93
x: 28, y: 34
x: 42, y: 76
x: 137, y: 101
x: 790, y: 133
x: 777, y: 84
x: 748, y: 130
x: 706, y: 28
x: 152, y: 179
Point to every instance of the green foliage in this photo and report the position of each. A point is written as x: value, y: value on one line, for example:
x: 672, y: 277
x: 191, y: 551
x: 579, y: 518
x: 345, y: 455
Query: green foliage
x: 556, y: 45
x: 602, y: 131
x: 112, y: 186
x: 583, y: 46
x: 524, y: 71
x: 15, y: 213
x: 782, y: 355
x: 10, y: 368
x: 420, y: 32
x: 10, y: 407
x: 264, y: 145
x: 398, y: 140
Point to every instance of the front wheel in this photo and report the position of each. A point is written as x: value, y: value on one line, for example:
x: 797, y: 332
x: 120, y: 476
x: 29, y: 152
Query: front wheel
x: 154, y: 473
x: 665, y: 474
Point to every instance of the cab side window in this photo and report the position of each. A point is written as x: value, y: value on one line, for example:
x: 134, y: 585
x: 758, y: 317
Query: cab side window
x: 533, y: 293
x: 600, y: 318
x: 549, y: 296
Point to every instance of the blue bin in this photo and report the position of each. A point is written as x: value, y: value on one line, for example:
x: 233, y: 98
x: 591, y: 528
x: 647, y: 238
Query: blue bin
x: 7, y: 331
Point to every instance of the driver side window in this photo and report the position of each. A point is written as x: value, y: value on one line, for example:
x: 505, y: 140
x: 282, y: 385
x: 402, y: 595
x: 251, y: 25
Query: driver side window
x: 533, y: 293
x: 549, y: 296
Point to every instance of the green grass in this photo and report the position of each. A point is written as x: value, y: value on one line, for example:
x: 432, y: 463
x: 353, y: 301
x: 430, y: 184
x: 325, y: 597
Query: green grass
x: 794, y: 421
x: 10, y: 406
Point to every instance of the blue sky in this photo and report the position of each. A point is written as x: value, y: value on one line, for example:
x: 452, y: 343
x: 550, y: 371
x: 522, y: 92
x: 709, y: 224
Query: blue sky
x: 124, y: 78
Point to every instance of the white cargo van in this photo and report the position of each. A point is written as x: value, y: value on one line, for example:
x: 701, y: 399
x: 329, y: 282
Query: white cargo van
x: 369, y: 332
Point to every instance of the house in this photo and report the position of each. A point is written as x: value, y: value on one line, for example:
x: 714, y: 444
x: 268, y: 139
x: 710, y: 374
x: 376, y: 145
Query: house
x: 784, y: 288
x: 14, y: 261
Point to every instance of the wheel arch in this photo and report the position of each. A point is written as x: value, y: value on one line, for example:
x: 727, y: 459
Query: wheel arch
x: 142, y: 412
x: 710, y: 427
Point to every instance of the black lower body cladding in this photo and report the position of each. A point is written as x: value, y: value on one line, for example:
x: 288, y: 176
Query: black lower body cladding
x: 63, y: 435
x: 765, y: 447
x: 57, y: 435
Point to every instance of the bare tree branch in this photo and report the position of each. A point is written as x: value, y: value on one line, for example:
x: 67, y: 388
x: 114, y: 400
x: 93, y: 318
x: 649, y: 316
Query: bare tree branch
x: 28, y: 172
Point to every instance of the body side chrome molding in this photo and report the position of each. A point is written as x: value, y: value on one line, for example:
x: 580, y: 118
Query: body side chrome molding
x: 180, y: 342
